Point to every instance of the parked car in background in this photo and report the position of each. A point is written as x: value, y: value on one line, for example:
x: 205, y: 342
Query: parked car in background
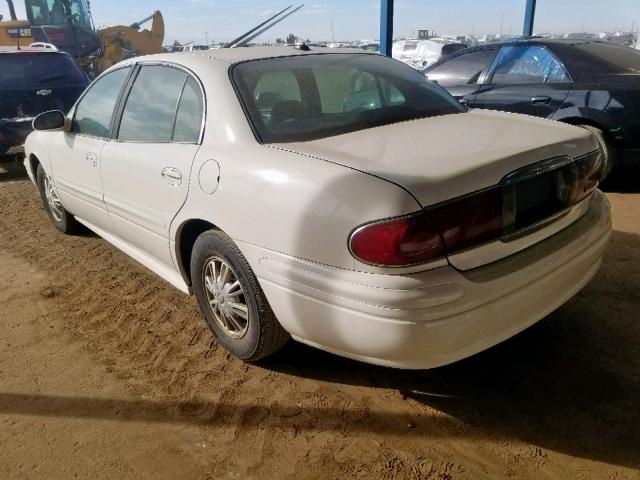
x: 337, y: 197
x: 34, y: 80
x: 424, y: 52
x: 589, y: 83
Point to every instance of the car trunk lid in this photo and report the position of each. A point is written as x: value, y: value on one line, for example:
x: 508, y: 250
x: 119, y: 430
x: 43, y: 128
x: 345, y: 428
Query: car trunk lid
x: 447, y: 158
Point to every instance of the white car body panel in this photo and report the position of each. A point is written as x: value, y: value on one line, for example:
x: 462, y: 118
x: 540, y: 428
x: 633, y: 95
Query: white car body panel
x: 75, y: 170
x: 291, y: 208
x: 145, y: 185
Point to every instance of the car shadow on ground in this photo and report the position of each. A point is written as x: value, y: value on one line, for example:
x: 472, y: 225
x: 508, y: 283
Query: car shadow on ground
x: 570, y: 383
x: 11, y: 170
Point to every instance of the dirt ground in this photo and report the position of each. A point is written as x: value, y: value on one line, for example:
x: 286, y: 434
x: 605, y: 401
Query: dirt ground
x: 108, y: 372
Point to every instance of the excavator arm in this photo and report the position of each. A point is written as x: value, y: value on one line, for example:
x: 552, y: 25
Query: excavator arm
x: 121, y: 42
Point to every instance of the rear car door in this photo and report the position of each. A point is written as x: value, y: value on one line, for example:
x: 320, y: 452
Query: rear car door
x: 525, y: 79
x: 75, y: 155
x: 146, y: 166
x: 462, y: 75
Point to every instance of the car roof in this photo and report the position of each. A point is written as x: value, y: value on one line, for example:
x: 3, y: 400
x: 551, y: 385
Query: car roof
x: 30, y: 50
x: 565, y: 42
x: 232, y: 56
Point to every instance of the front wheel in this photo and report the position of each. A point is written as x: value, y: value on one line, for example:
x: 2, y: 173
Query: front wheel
x: 231, y: 299
x: 60, y: 217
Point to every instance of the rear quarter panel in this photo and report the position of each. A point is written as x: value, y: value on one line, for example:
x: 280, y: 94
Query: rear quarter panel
x: 613, y: 103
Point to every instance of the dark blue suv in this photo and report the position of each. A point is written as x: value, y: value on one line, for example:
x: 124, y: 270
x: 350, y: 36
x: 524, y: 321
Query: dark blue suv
x: 32, y: 81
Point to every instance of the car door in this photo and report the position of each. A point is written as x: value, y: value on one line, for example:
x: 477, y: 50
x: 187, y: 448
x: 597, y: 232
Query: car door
x: 463, y: 74
x: 75, y: 155
x: 146, y: 166
x: 525, y: 79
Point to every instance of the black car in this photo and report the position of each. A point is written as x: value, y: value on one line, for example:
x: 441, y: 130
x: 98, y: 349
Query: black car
x: 589, y: 83
x: 32, y: 81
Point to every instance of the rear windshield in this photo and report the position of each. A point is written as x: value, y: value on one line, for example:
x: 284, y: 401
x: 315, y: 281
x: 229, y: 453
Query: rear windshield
x: 35, y: 69
x: 617, y: 58
x: 316, y: 96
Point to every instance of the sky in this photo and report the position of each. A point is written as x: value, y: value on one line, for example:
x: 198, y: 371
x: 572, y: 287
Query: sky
x: 188, y: 20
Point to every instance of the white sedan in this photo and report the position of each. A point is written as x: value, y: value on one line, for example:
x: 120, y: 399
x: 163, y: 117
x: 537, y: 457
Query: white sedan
x: 334, y: 197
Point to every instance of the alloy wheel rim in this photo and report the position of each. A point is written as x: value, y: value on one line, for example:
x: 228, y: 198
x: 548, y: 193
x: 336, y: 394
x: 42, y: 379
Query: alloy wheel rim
x: 55, y: 205
x: 225, y: 297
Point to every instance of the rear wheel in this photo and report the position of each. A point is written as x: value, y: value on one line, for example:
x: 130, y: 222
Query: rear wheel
x: 60, y: 218
x: 231, y: 299
x: 608, y: 153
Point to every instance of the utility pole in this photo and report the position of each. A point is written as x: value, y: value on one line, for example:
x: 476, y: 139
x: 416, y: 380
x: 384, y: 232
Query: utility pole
x: 333, y: 32
x: 386, y: 27
x: 12, y: 10
x: 529, y: 18
x: 206, y: 38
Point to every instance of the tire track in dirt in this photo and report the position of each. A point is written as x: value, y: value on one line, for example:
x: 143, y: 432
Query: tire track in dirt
x: 268, y: 422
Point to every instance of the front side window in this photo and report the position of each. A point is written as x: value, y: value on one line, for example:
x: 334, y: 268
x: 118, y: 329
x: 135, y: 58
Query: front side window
x: 150, y: 110
x: 335, y: 94
x: 94, y: 111
x: 527, y: 64
x: 462, y: 70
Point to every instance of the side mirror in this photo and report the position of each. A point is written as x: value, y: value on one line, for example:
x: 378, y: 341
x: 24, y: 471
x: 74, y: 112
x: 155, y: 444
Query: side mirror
x: 52, y: 120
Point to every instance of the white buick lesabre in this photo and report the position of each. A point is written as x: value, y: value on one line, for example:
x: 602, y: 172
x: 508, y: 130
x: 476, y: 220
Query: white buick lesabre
x: 340, y: 199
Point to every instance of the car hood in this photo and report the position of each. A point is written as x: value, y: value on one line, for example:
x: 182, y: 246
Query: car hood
x: 440, y: 158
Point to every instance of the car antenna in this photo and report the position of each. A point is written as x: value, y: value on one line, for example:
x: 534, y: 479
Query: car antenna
x: 244, y: 39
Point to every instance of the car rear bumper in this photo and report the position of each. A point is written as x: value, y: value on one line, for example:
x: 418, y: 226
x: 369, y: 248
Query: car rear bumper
x: 13, y: 135
x: 435, y: 317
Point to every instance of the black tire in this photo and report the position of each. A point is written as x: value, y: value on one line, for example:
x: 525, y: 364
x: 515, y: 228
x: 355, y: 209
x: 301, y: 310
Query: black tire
x: 264, y: 335
x: 63, y: 220
x: 609, y: 156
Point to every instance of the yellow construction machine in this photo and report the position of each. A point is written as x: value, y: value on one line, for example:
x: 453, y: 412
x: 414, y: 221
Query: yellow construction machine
x: 68, y: 25
x: 122, y: 42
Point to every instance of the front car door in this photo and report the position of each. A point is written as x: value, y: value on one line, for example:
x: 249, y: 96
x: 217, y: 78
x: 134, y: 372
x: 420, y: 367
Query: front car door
x: 525, y: 79
x: 147, y: 164
x: 75, y: 155
x: 462, y: 75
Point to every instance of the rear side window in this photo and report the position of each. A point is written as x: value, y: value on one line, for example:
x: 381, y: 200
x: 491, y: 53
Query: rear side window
x: 189, y: 117
x: 462, y: 70
x: 35, y: 69
x: 527, y: 64
x: 150, y: 110
x: 94, y: 111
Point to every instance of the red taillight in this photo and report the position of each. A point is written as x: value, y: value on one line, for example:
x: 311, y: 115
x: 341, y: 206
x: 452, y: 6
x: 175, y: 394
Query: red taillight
x: 401, y: 241
x: 471, y: 220
x: 524, y: 198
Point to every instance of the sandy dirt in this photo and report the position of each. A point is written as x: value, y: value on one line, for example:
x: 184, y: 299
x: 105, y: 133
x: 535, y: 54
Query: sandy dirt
x: 106, y: 371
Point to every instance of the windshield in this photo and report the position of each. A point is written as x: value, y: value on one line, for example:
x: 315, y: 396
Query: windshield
x: 59, y: 12
x: 316, y: 96
x: 35, y: 69
x: 617, y: 58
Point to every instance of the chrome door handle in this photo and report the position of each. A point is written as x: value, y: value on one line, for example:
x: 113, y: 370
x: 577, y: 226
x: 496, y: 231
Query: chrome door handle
x: 544, y: 100
x: 173, y: 175
x: 92, y: 159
